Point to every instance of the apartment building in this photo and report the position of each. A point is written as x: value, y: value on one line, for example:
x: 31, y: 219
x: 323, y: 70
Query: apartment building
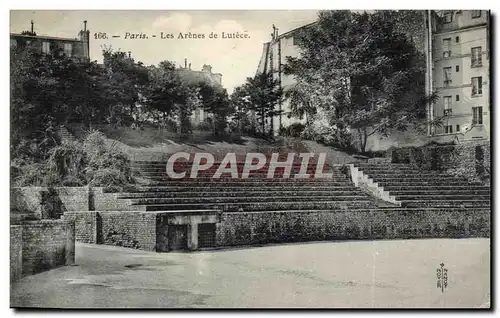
x: 73, y: 47
x: 273, y: 58
x: 205, y: 75
x: 460, y: 74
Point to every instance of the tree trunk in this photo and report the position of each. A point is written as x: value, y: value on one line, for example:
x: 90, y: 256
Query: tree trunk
x: 365, y: 139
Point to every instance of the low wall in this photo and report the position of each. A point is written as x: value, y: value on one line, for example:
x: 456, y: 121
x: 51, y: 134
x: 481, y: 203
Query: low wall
x: 86, y: 223
x: 100, y: 200
x: 45, y: 244
x: 49, y: 202
x: 16, y: 252
x: 471, y: 158
x: 128, y: 229
x: 278, y: 227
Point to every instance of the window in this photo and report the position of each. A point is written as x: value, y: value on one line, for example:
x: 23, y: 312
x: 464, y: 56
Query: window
x: 476, y: 14
x: 457, y: 98
x: 477, y: 86
x: 477, y: 115
x: 297, y: 40
x: 448, y: 129
x: 13, y: 42
x: 476, y: 58
x: 447, y: 47
x: 68, y: 49
x: 447, y: 75
x: 457, y: 68
x: 447, y: 103
x: 457, y: 39
x: 458, y: 128
x: 46, y: 47
x: 448, y: 17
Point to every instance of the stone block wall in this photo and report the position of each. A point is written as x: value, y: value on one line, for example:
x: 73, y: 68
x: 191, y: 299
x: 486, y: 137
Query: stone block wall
x: 86, y: 226
x: 16, y: 252
x: 279, y: 227
x: 129, y: 229
x: 105, y: 201
x: 40, y: 200
x: 45, y: 244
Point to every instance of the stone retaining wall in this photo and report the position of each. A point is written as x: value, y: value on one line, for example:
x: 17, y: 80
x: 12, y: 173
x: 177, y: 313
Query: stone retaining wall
x: 44, y: 244
x: 279, y: 227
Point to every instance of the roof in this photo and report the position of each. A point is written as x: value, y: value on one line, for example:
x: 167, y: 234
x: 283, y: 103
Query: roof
x: 44, y: 37
x: 286, y: 34
x: 194, y: 77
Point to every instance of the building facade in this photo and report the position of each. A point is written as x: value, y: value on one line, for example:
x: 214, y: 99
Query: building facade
x: 190, y: 76
x: 72, y: 47
x: 460, y: 58
x: 274, y: 54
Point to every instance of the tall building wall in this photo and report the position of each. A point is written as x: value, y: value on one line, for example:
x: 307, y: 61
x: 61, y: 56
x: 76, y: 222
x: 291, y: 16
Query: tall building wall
x: 461, y: 73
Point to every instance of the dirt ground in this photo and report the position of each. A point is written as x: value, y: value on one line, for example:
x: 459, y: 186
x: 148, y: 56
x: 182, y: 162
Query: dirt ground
x: 356, y: 274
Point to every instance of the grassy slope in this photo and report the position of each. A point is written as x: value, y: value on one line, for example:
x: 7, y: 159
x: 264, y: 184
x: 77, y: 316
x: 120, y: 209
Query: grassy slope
x: 152, y: 144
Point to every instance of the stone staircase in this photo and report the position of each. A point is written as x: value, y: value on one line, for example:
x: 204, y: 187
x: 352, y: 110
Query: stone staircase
x: 427, y: 189
x: 257, y: 193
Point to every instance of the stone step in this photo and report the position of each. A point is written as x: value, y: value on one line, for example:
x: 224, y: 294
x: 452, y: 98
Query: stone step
x: 153, y: 171
x: 257, y: 174
x: 423, y: 182
x: 446, y: 187
x: 415, y: 175
x: 248, y: 193
x: 217, y: 164
x: 243, y: 188
x: 438, y: 203
x: 263, y: 178
x: 263, y: 206
x: 435, y: 197
x: 440, y: 192
x: 390, y: 165
x: 251, y: 182
x: 397, y: 170
x: 238, y: 199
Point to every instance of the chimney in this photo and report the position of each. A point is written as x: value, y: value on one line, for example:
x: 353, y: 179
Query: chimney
x: 185, y: 62
x: 129, y: 52
x: 206, y: 68
x: 84, y: 37
x: 32, y: 27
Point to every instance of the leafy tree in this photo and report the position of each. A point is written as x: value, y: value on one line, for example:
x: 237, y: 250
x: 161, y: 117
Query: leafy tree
x: 125, y: 82
x: 171, y: 97
x: 370, y: 75
x: 301, y: 100
x: 215, y: 100
x: 48, y: 90
x: 241, y: 107
x: 261, y: 94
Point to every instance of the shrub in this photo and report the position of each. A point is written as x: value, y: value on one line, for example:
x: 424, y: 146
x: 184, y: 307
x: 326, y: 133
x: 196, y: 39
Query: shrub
x: 204, y: 126
x: 107, y: 177
x: 68, y: 161
x: 107, y: 165
x: 293, y: 130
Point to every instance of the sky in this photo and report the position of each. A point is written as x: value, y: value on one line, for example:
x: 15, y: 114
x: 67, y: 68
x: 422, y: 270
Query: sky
x: 235, y: 59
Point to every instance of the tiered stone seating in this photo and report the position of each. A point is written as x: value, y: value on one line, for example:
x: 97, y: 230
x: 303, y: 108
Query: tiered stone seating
x: 257, y: 193
x: 427, y: 189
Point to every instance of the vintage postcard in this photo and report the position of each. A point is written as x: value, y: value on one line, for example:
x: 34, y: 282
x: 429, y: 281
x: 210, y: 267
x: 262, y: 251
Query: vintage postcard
x: 250, y: 159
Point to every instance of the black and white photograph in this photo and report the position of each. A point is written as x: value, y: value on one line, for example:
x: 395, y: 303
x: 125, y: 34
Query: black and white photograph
x: 250, y: 159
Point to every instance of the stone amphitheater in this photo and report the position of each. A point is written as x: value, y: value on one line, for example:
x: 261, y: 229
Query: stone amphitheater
x: 364, y: 199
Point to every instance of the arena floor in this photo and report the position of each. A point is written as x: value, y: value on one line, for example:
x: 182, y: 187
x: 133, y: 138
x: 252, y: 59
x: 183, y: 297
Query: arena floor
x: 357, y: 274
